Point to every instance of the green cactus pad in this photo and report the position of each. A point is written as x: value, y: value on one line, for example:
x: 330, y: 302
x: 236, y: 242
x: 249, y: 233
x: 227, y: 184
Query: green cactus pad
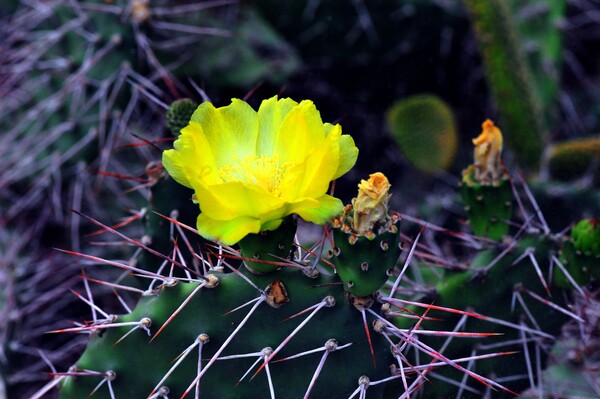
x: 488, y: 207
x: 268, y: 246
x: 364, y: 264
x: 490, y: 293
x: 580, y: 254
x: 572, y: 159
x: 207, y: 313
x: 425, y: 130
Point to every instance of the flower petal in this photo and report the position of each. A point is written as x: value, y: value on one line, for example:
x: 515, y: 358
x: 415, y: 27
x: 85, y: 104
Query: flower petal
x: 231, y: 131
x: 301, y: 131
x: 270, y: 115
x: 348, y: 155
x: 227, y: 232
x: 321, y: 164
x: 320, y: 210
x: 249, y: 170
x: 229, y: 200
x: 192, y: 158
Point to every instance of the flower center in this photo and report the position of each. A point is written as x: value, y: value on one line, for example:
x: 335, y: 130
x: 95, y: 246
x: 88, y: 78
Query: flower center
x: 262, y: 171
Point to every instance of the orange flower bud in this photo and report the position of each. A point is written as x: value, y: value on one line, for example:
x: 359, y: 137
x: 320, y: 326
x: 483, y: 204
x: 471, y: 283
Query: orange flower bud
x: 371, y: 204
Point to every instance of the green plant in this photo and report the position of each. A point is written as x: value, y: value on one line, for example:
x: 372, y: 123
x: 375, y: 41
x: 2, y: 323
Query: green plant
x: 425, y: 130
x: 297, y: 328
x: 509, y: 78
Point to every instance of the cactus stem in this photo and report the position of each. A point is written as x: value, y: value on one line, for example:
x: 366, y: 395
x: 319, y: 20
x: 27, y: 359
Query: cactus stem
x: 407, y: 261
x: 262, y: 299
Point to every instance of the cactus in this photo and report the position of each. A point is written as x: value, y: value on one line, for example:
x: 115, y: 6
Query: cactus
x: 485, y: 187
x: 290, y: 323
x: 296, y: 328
x: 261, y: 333
x: 580, y: 254
x: 509, y: 79
x: 79, y: 81
x: 574, y: 158
x: 367, y: 245
x: 425, y: 130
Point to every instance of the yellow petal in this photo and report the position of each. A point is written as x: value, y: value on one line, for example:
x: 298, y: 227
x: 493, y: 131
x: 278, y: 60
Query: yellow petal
x: 231, y: 131
x: 270, y: 115
x: 321, y: 165
x: 348, y: 155
x: 320, y: 210
x: 192, y: 159
x: 300, y: 131
x: 229, y: 200
x: 227, y: 232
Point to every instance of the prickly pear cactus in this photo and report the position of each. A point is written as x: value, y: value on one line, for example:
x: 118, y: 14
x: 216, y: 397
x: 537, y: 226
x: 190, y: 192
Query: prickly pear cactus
x: 260, y: 314
x: 367, y: 239
x: 205, y: 340
x: 249, y: 319
x: 424, y: 128
x: 485, y: 188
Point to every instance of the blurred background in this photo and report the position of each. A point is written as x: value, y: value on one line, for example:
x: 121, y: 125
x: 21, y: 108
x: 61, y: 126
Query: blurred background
x: 84, y: 87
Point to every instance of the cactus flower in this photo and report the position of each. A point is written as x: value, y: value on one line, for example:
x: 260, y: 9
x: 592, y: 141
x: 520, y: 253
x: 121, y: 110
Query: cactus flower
x: 487, y: 153
x: 371, y: 204
x: 250, y: 169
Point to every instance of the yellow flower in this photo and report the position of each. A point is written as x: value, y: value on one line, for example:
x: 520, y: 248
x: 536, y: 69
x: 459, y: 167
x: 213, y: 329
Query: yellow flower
x: 250, y: 169
x: 487, y: 153
x: 371, y: 204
